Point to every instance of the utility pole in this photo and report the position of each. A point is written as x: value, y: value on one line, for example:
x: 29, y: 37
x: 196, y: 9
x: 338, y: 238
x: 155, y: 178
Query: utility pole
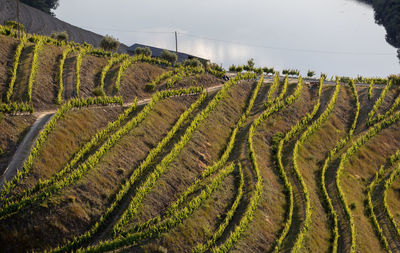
x: 19, y: 33
x: 176, y: 42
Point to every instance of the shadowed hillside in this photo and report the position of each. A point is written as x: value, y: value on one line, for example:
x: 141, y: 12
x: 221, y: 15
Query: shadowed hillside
x: 36, y: 21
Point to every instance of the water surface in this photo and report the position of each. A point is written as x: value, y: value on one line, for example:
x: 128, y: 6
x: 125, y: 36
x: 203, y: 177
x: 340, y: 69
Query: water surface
x: 337, y: 37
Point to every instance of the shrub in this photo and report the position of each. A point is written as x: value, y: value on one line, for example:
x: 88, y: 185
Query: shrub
x: 239, y: 68
x: 268, y: 70
x: 232, y: 68
x: 291, y: 72
x: 15, y: 25
x: 195, y: 63
x: 215, y: 67
x: 169, y: 56
x: 109, y: 43
x: 98, y: 92
x: 143, y: 50
x: 61, y: 36
x: 395, y: 78
x: 310, y: 73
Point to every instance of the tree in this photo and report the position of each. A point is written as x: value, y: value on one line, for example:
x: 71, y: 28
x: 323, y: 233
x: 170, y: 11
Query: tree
x: 43, y: 5
x: 250, y: 64
x: 109, y: 43
x: 310, y: 73
x: 192, y: 63
x: 169, y: 56
x: 143, y: 50
x: 62, y: 36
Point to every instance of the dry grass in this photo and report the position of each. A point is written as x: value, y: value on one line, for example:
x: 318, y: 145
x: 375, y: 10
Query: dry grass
x: 7, y: 51
x: 45, y: 88
x: 271, y: 211
x: 201, y: 226
x: 90, y: 74
x: 134, y: 81
x: 24, y: 69
x: 79, y: 205
x: 358, y: 173
x: 311, y: 158
x: 393, y: 201
x: 70, y: 134
x: 204, y: 148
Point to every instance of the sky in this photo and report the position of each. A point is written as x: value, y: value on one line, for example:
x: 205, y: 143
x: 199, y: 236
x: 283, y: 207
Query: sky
x: 337, y: 37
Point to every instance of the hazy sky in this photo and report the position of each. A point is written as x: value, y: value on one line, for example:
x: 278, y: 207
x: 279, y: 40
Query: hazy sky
x: 330, y: 36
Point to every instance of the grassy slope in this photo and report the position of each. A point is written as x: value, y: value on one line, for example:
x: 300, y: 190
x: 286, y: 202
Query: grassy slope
x: 45, y: 88
x: 23, y: 71
x: 71, y: 133
x: 393, y: 200
x: 7, y: 51
x: 205, y: 147
x: 311, y: 157
x: 270, y: 213
x: 358, y: 173
x: 77, y: 207
x: 70, y: 213
x: 90, y: 74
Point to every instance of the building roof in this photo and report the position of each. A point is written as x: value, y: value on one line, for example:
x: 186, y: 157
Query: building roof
x: 157, y: 52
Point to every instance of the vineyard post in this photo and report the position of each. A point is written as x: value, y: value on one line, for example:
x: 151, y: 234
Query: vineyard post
x: 176, y: 42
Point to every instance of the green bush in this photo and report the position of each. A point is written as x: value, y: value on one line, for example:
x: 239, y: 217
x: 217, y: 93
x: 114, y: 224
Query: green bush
x: 98, y: 92
x: 143, y: 50
x: 310, y: 73
x: 395, y: 78
x: 239, y: 69
x: 215, y: 70
x: 109, y: 43
x: 14, y: 25
x: 291, y: 72
x: 61, y: 36
x: 194, y: 63
x: 232, y: 68
x: 269, y: 70
x: 215, y: 67
x: 169, y: 56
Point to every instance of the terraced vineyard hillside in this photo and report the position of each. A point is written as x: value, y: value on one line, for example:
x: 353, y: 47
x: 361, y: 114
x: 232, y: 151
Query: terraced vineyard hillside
x: 103, y: 152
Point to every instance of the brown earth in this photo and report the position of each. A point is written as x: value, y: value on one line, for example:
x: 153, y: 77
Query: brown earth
x: 13, y: 130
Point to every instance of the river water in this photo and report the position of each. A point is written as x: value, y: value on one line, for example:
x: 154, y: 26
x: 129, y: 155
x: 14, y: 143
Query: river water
x: 336, y: 37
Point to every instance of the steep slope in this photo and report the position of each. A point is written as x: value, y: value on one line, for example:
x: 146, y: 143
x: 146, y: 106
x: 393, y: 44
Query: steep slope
x: 36, y: 21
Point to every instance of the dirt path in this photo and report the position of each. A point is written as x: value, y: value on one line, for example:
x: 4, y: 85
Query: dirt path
x: 25, y: 147
x: 43, y: 118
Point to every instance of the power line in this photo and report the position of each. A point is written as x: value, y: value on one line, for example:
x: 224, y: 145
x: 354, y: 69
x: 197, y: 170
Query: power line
x: 244, y: 44
x: 129, y: 31
x: 284, y: 48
